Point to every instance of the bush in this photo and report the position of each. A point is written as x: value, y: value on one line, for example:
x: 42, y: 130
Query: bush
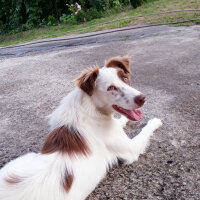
x: 99, y: 4
x: 115, y: 3
x: 124, y: 2
x: 52, y: 21
x: 71, y: 20
x: 68, y: 19
x: 136, y: 3
x: 198, y: 22
x: 1, y: 24
x: 80, y: 16
x: 63, y: 19
x: 92, y: 13
x: 26, y: 27
x: 20, y: 15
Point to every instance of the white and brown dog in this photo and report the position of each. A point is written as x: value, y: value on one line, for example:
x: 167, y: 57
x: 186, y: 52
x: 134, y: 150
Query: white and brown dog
x: 85, y: 140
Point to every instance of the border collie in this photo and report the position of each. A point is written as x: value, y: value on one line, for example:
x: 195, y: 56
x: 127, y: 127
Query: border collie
x: 85, y: 139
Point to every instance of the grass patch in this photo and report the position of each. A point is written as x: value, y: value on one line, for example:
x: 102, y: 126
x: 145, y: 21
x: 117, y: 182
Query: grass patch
x: 198, y: 22
x: 151, y: 6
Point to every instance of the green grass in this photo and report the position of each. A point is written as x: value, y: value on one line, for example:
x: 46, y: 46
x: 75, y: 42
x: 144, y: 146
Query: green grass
x: 151, y: 6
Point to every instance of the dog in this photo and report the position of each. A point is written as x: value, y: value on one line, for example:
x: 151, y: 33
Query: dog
x: 85, y: 139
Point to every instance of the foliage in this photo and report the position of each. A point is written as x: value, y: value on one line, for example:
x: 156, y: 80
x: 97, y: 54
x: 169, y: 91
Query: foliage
x: 198, y: 22
x: 99, y: 4
x: 52, y: 21
x: 25, y: 14
x: 136, y: 3
x: 125, y: 2
x: 64, y: 18
x: 116, y: 3
x: 21, y: 15
x: 68, y: 19
x: 80, y: 16
x: 92, y: 13
x: 74, y: 8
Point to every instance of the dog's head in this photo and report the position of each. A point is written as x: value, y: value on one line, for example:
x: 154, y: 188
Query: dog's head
x: 110, y: 90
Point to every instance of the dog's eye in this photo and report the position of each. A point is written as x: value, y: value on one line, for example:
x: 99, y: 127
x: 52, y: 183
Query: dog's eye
x: 112, y: 87
x: 125, y: 79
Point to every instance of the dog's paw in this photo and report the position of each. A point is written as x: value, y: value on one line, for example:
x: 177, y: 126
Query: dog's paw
x: 123, y: 121
x: 128, y: 160
x: 155, y: 123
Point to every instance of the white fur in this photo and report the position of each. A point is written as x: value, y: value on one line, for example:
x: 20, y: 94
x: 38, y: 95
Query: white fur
x: 42, y: 174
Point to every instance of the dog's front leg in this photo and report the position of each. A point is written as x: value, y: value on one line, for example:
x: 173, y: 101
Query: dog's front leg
x: 130, y: 149
x: 121, y: 145
x: 141, y: 141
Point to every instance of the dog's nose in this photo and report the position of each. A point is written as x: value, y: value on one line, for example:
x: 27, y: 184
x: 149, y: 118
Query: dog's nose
x: 140, y: 99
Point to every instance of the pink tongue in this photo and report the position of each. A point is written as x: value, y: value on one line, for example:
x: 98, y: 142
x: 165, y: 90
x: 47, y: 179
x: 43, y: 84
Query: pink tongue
x: 134, y: 114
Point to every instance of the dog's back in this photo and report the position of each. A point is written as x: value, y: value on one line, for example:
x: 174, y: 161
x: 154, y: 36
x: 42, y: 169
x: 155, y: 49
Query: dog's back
x: 71, y: 161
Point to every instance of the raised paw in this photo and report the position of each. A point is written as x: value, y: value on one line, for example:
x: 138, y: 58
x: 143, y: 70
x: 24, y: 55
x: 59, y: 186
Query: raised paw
x: 123, y: 121
x: 155, y: 123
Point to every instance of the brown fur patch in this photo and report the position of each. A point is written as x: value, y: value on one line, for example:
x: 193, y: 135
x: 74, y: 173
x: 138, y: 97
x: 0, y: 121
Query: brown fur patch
x: 12, y: 179
x: 87, y: 80
x: 68, y: 180
x: 65, y: 140
x: 121, y: 63
x: 124, y: 77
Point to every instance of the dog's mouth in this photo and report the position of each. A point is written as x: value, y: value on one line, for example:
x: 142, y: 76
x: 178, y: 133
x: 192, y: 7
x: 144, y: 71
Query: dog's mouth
x: 134, y: 115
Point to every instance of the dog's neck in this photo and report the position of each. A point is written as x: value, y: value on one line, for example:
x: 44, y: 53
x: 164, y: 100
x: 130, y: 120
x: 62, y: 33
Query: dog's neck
x: 77, y: 109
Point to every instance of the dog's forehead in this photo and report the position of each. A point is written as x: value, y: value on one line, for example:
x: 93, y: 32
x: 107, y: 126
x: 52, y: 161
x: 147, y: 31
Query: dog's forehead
x: 108, y: 74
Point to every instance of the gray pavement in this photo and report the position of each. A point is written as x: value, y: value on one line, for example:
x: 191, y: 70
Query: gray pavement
x: 99, y: 37
x: 165, y: 67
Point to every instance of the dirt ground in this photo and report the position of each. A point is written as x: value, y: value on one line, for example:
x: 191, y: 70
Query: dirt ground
x: 165, y: 67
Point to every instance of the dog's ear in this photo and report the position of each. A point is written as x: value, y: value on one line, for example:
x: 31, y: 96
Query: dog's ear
x: 86, y: 81
x: 120, y: 62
